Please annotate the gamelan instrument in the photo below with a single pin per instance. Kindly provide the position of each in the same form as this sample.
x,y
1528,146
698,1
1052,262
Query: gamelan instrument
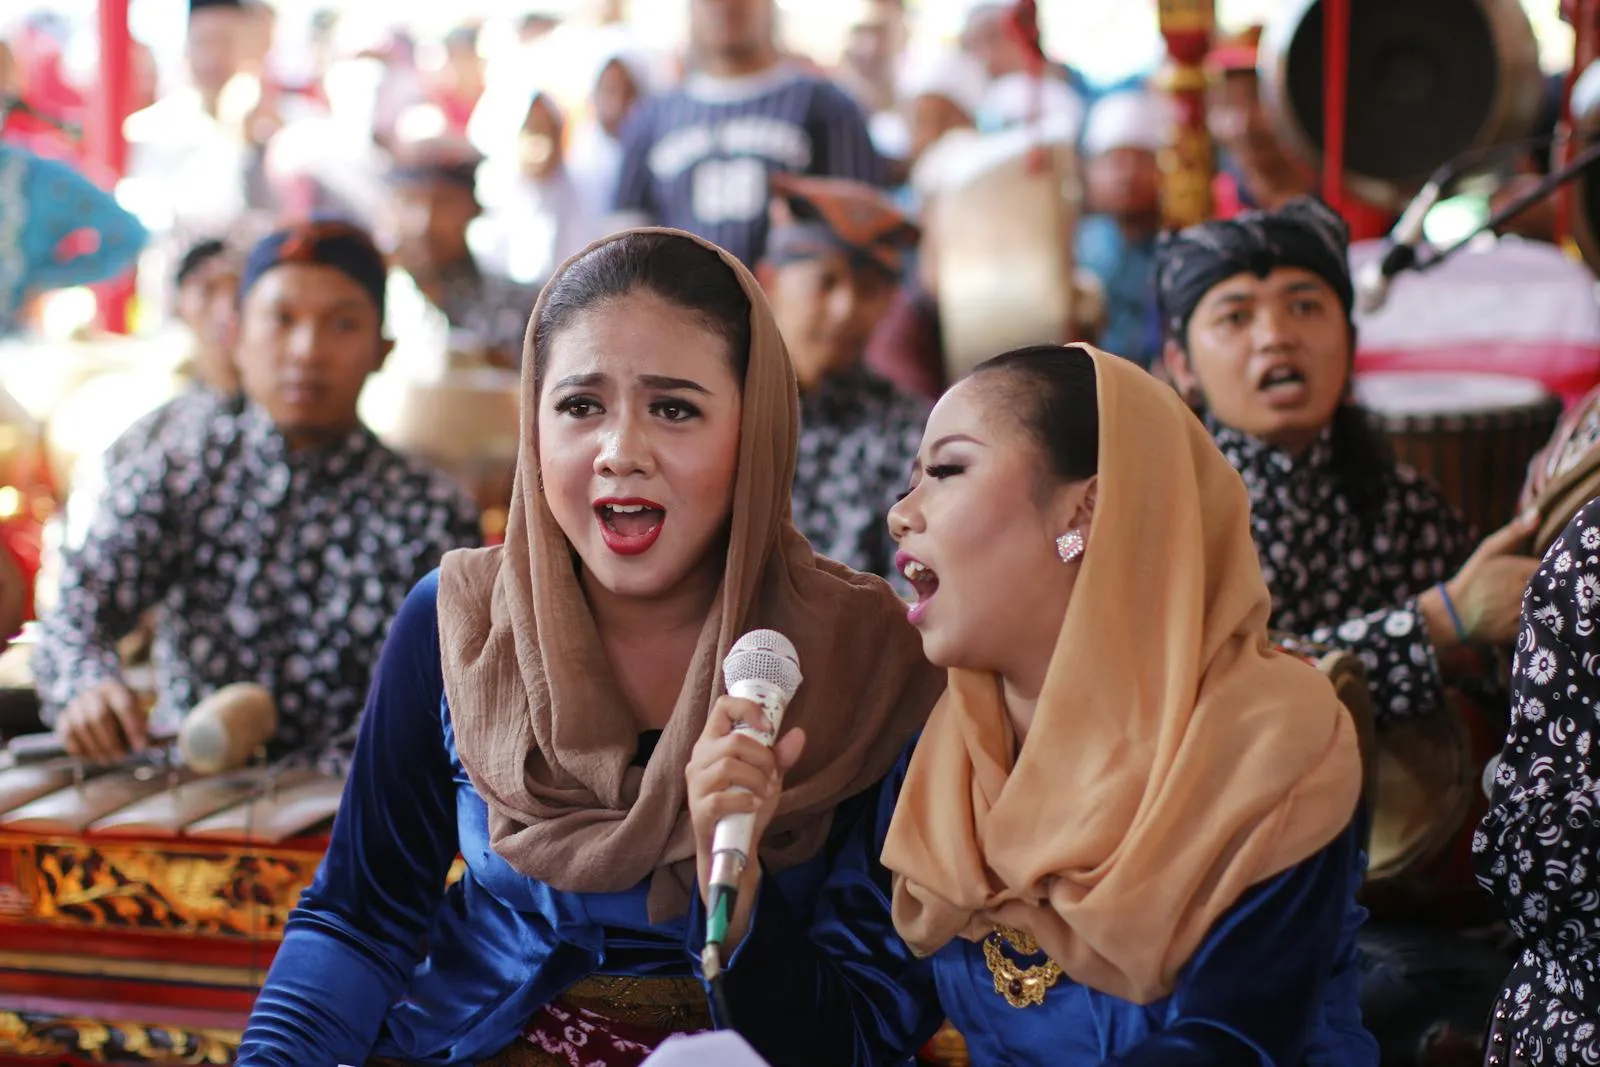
x,y
1472,435
1565,475
1431,793
141,905
1427,81
1002,228
465,422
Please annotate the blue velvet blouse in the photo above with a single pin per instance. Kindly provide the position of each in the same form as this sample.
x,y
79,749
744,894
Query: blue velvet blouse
x,y
379,959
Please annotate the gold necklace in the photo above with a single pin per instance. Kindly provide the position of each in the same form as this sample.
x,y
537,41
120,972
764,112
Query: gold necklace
x,y
1021,986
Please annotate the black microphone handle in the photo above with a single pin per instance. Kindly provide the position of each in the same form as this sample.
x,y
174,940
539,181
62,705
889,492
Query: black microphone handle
x,y
1548,185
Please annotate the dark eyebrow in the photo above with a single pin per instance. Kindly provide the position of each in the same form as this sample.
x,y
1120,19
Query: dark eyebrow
x,y
577,381
659,381
1302,288
1234,298
954,438
284,306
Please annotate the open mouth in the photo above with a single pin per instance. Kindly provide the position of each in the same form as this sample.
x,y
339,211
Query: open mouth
x,y
924,582
630,526
1283,384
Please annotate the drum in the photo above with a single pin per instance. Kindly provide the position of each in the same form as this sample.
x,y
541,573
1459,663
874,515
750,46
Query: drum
x,y
141,905
1000,234
1472,435
466,423
1565,475
1430,799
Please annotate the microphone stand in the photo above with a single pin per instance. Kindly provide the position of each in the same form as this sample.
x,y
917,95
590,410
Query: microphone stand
x,y
1549,184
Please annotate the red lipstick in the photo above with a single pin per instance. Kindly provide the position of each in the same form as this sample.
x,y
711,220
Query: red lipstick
x,y
629,526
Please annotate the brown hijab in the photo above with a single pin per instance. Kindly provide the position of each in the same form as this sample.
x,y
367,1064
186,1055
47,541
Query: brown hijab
x,y
1175,758
542,728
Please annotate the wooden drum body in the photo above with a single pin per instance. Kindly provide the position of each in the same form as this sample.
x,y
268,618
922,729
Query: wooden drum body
x,y
1002,227
140,908
1472,435
1430,797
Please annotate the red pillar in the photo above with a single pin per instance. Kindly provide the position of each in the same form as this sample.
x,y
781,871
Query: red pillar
x,y
107,148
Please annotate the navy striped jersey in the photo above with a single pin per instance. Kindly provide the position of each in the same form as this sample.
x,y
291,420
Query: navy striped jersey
x,y
697,158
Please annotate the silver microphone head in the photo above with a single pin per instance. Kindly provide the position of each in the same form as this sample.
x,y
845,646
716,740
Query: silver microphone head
x,y
766,656
1372,288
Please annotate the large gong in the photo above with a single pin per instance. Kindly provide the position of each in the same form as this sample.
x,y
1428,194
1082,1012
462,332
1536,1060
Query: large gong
x,y
1428,80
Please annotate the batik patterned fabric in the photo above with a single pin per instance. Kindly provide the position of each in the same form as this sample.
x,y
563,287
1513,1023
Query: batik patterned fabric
x,y
821,216
493,309
1348,576
1304,233
1536,849
858,439
269,565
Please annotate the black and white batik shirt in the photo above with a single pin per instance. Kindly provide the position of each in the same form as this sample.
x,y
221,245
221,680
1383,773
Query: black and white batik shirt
x,y
273,566
1350,580
858,439
1538,848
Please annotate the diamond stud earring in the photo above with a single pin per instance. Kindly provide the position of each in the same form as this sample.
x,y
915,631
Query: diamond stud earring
x,y
1069,546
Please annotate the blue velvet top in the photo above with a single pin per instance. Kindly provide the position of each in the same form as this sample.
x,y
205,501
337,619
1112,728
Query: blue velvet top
x,y
1274,984
379,959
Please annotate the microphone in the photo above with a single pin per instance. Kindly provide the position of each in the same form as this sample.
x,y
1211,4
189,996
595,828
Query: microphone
x,y
225,729
1372,286
763,668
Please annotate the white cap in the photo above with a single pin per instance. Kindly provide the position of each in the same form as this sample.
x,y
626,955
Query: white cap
x,y
1132,118
1019,99
953,75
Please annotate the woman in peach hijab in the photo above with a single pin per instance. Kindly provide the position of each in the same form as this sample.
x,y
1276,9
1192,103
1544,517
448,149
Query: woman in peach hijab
x,y
1126,834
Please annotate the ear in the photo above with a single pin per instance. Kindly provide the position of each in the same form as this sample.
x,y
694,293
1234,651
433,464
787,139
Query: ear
x,y
1075,503
1180,372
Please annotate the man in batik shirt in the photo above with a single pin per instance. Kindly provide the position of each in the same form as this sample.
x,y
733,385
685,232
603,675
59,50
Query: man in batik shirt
x,y
278,540
1359,552
433,202
834,258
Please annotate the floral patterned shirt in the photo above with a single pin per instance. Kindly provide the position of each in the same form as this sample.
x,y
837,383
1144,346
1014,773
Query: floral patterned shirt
x,y
858,439
268,565
1348,580
1538,848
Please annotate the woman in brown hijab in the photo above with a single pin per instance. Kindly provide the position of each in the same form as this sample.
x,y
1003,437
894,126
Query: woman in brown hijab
x,y
536,707
1125,836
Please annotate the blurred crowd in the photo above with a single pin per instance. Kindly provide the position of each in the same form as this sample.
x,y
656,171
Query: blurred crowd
x,y
482,169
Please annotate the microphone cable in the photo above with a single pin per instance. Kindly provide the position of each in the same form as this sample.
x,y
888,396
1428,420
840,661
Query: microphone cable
x,y
719,913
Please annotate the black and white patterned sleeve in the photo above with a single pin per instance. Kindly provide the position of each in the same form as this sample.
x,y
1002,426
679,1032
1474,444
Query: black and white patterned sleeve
x,y
127,562
1425,543
1536,849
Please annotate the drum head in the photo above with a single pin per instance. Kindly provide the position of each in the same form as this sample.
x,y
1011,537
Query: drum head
x,y
1445,395
1426,784
1004,258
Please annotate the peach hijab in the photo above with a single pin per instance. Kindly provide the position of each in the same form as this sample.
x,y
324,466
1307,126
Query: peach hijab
x,y
1175,758
542,728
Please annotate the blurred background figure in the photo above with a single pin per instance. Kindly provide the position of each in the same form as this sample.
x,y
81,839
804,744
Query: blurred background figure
x,y
1117,237
536,215
697,158
1253,170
